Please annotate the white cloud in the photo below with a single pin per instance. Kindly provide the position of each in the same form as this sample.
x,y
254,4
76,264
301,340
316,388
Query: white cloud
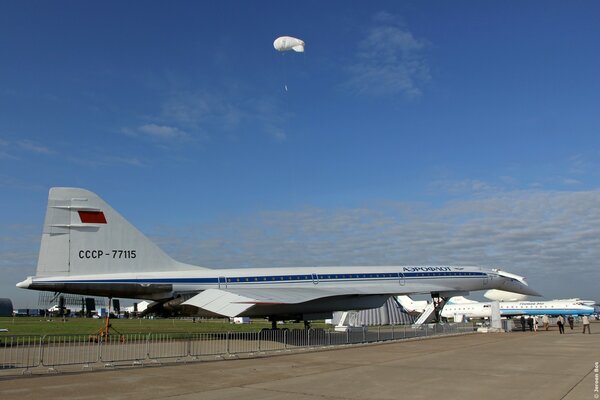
x,y
190,109
465,185
508,180
162,133
278,134
542,235
389,61
578,164
209,112
19,246
229,114
570,181
10,150
103,161
5,153
34,147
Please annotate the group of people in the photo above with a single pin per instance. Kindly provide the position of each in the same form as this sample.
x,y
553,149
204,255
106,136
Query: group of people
x,y
533,323
560,321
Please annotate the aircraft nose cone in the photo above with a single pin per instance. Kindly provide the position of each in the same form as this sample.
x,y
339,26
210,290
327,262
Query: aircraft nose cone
x,y
25,284
530,292
518,287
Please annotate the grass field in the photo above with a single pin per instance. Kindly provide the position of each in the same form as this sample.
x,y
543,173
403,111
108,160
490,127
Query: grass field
x,y
46,326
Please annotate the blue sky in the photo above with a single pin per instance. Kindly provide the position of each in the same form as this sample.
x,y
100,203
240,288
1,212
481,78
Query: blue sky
x,y
410,132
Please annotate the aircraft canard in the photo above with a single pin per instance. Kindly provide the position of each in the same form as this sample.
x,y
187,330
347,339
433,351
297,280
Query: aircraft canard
x,y
88,248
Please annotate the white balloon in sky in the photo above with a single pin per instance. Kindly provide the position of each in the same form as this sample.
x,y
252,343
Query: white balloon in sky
x,y
286,43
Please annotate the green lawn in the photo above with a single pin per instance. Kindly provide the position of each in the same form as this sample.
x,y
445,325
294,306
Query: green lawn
x,y
46,326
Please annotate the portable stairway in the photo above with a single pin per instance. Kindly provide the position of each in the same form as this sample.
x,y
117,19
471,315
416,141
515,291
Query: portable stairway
x,y
431,312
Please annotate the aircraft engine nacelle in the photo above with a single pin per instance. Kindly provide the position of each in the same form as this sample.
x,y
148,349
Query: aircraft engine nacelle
x,y
502,295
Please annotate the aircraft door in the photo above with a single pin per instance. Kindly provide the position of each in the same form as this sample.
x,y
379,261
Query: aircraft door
x,y
401,279
315,278
486,280
222,282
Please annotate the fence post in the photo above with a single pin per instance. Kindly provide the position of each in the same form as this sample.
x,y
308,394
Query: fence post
x,y
189,344
259,340
148,340
41,352
227,343
101,346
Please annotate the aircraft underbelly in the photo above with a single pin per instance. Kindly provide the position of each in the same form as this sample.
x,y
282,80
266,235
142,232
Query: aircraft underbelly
x,y
319,306
125,290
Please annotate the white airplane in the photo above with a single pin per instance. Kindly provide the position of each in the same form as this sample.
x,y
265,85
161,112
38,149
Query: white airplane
x,y
87,248
412,306
418,306
461,307
54,308
141,307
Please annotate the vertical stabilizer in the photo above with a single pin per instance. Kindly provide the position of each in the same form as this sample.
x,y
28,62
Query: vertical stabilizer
x,y
83,235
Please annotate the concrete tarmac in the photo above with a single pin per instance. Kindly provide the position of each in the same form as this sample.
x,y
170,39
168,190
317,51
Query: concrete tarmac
x,y
517,365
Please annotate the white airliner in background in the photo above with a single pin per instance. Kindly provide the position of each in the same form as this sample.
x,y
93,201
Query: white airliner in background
x,y
87,248
459,306
413,307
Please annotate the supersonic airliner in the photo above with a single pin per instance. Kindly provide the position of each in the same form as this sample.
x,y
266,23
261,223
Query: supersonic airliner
x,y
88,248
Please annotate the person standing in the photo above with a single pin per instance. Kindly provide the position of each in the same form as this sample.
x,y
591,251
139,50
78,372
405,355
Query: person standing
x,y
586,324
546,322
530,323
535,323
560,321
523,323
570,320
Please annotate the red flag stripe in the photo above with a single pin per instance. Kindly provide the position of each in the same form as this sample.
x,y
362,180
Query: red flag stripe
x,y
92,217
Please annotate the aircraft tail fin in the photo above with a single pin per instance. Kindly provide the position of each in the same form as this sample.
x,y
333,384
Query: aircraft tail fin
x,y
461,300
83,235
410,305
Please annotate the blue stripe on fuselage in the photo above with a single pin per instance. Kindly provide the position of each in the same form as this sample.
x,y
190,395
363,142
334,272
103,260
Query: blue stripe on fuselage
x,y
544,311
289,278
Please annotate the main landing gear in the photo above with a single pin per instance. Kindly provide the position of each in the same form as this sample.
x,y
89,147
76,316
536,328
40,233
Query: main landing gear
x,y
438,305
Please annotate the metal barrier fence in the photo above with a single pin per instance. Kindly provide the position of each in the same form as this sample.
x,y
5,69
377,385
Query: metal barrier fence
x,y
57,350
17,352
23,353
132,347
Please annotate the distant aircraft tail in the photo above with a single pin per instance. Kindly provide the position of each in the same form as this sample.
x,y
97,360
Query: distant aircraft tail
x,y
410,305
83,235
461,300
